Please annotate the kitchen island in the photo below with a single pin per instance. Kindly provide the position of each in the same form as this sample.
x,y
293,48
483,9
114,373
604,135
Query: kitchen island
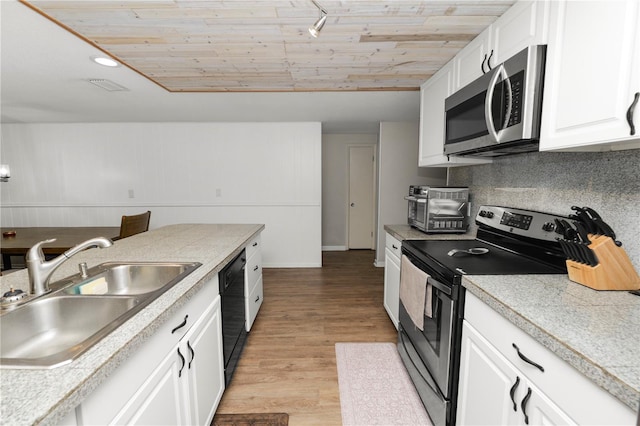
x,y
40,396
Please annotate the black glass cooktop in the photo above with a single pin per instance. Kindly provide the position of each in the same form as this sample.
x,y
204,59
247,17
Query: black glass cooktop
x,y
496,261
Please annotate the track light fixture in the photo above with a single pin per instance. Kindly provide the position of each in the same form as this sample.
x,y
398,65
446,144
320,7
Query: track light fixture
x,y
315,29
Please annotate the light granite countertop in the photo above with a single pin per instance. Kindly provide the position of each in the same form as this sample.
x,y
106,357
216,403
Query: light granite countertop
x,y
406,232
596,332
39,396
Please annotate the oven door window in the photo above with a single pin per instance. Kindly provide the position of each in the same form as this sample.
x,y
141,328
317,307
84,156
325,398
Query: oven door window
x,y
433,326
433,343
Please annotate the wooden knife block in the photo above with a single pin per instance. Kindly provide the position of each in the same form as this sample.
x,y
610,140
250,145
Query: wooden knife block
x,y
614,270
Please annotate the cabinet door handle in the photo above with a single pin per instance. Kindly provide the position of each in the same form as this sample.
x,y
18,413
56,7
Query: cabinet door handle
x,y
523,405
512,393
256,268
482,65
394,246
257,299
489,60
183,362
255,244
182,324
193,353
630,111
527,360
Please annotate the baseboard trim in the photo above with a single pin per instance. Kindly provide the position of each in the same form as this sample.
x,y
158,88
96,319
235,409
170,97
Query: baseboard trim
x,y
334,248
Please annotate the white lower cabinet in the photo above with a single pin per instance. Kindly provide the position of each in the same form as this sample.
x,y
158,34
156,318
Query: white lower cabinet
x,y
392,277
175,378
253,281
492,391
498,387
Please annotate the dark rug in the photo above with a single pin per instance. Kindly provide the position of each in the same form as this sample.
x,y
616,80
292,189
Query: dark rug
x,y
252,419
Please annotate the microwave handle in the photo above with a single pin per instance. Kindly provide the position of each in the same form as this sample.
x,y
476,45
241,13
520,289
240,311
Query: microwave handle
x,y
488,112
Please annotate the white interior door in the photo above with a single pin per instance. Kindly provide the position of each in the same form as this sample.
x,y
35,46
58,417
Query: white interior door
x,y
361,196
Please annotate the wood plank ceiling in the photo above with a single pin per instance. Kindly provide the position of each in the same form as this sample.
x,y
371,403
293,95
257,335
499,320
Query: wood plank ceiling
x,y
264,45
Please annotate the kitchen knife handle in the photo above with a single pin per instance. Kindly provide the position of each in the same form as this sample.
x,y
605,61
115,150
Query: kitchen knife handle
x,y
630,111
527,360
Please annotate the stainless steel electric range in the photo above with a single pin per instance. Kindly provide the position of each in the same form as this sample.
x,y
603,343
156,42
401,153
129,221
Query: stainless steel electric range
x,y
509,241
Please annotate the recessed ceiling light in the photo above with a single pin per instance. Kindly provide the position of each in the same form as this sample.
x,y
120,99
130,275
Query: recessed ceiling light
x,y
103,60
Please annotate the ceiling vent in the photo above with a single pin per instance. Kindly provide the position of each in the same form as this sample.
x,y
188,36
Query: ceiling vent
x,y
107,85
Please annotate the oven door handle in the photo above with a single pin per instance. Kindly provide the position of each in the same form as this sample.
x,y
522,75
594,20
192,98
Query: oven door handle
x,y
429,380
437,284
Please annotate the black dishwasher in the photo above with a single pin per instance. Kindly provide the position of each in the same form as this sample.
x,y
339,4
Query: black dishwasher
x,y
234,332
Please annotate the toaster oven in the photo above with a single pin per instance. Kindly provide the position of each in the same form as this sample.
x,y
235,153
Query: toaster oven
x,y
438,209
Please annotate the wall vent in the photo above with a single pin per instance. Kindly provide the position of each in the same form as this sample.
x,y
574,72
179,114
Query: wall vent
x,y
107,85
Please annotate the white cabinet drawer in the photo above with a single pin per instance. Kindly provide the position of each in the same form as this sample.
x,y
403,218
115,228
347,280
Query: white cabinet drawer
x,y
254,301
394,245
253,270
254,246
579,397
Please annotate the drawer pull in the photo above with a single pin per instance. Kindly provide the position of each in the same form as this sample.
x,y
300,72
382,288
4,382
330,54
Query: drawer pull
x,y
527,360
183,362
525,400
255,244
394,246
512,392
182,324
632,107
193,353
256,268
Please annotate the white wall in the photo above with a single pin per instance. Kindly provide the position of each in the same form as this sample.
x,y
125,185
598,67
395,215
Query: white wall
x,y
335,186
398,168
85,174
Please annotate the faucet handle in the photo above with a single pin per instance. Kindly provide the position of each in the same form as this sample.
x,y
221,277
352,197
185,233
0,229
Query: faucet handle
x,y
35,252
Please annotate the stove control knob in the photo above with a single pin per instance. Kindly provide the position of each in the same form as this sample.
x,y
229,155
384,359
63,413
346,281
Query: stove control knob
x,y
548,226
489,214
482,213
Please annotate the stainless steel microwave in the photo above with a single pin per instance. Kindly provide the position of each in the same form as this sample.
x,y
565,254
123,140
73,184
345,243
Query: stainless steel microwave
x,y
438,209
499,113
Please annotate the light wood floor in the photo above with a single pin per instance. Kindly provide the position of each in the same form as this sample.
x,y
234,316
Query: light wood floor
x,y
289,363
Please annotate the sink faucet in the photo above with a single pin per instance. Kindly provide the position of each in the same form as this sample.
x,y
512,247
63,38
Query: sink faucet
x,y
40,270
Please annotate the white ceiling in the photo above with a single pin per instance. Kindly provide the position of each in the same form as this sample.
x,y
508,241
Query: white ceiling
x,y
44,79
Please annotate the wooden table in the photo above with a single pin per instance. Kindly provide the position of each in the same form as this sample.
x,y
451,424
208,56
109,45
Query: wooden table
x,y
66,237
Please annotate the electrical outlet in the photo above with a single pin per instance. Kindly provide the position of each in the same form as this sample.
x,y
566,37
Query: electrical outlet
x,y
131,195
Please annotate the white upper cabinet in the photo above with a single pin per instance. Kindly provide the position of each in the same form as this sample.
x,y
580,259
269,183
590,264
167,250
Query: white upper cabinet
x,y
471,62
592,77
523,25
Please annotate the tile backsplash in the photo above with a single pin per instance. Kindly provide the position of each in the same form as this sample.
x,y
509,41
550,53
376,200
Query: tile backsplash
x,y
608,182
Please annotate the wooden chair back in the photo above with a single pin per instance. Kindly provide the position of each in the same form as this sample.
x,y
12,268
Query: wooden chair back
x,y
136,224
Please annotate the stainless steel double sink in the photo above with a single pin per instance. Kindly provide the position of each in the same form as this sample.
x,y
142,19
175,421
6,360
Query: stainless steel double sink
x,y
54,329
